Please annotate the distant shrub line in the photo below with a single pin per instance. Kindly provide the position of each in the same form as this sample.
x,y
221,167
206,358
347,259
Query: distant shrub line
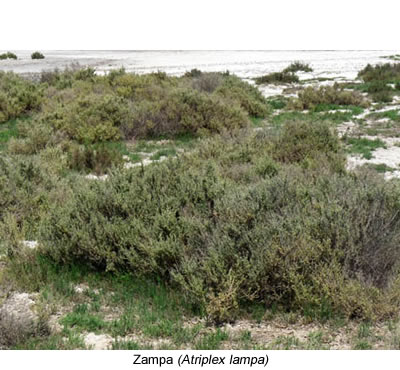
x,y
78,106
90,108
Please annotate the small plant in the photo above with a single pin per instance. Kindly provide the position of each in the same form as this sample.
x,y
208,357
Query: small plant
x,y
193,73
97,158
382,97
207,82
277,78
37,55
298,66
212,341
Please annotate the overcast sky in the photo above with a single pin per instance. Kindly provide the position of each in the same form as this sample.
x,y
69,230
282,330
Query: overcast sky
x,y
206,24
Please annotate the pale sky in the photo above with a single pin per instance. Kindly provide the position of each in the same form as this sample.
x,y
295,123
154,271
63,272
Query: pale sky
x,y
206,24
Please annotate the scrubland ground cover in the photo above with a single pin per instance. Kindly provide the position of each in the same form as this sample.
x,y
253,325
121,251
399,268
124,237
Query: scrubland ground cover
x,y
253,222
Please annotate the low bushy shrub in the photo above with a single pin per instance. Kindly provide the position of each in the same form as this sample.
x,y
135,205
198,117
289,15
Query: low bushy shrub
x,y
91,108
86,118
8,55
37,55
26,187
380,91
207,82
152,86
379,78
17,96
299,141
33,137
66,78
273,244
277,78
97,159
193,73
388,72
298,66
294,236
311,97
183,111
377,86
247,96
382,97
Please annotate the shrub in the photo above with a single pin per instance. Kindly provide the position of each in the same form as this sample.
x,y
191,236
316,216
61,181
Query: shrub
x,y
193,73
377,86
381,72
271,245
298,66
300,140
378,77
382,96
183,111
17,96
380,91
14,331
245,95
27,187
37,55
92,108
33,137
207,82
311,97
277,77
295,236
93,158
66,78
8,55
89,118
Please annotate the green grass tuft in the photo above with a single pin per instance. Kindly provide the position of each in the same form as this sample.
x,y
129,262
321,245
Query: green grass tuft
x,y
364,146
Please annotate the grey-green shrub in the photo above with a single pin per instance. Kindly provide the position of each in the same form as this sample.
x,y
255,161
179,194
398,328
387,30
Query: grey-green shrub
x,y
310,97
92,108
298,66
87,118
183,111
277,77
8,55
281,233
93,158
17,96
37,55
207,82
27,187
247,96
388,72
